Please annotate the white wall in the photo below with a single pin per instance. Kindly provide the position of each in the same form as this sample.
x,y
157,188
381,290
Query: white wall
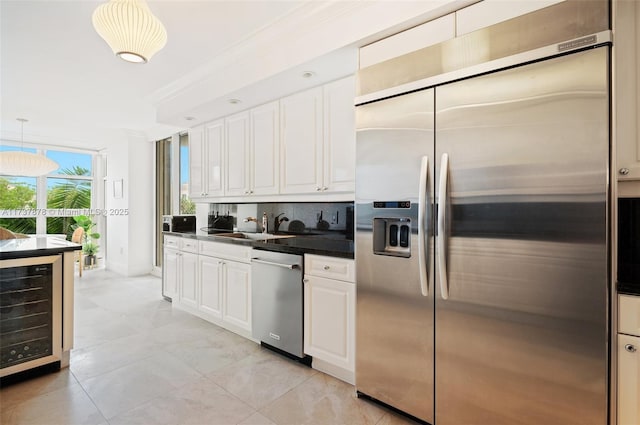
x,y
130,218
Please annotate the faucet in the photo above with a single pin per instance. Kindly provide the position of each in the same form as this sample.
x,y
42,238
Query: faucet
x,y
255,220
277,221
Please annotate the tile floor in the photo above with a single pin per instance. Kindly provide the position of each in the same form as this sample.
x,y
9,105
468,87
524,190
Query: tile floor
x,y
137,361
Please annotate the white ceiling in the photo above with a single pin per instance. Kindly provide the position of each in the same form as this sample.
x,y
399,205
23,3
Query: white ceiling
x,y
60,75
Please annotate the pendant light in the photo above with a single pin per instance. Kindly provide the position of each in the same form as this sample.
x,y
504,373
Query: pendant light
x,y
20,163
130,29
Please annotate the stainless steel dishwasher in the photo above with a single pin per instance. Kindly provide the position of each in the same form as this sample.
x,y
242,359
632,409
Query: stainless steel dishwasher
x,y
277,301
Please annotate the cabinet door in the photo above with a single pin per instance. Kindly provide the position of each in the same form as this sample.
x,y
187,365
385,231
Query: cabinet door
x,y
264,147
301,142
214,140
329,320
196,160
339,136
237,294
628,380
491,12
188,279
237,148
627,89
170,273
210,270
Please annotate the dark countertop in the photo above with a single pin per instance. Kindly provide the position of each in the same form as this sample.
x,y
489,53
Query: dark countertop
x,y
35,246
329,245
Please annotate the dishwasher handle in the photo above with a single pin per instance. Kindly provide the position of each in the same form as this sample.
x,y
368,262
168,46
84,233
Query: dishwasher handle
x,y
271,263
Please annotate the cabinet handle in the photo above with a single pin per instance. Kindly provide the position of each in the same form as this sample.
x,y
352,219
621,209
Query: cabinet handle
x,y
318,189
624,171
325,188
630,348
305,280
326,267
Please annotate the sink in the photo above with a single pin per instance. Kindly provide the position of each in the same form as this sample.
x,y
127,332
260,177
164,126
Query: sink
x,y
253,236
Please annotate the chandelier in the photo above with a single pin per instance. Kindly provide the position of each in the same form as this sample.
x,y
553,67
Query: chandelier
x,y
20,163
130,29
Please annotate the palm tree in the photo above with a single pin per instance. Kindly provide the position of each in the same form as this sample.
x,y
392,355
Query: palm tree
x,y
69,194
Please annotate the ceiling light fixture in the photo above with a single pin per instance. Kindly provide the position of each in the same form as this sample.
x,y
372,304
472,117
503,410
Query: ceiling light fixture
x,y
308,74
234,101
20,163
130,29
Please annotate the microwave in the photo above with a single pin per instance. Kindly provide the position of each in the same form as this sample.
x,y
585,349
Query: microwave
x,y
179,223
629,246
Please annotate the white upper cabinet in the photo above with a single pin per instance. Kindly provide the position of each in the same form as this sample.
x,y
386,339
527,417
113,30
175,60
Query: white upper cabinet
x,y
196,162
339,136
301,142
206,143
318,139
214,139
264,156
626,25
237,149
490,12
416,38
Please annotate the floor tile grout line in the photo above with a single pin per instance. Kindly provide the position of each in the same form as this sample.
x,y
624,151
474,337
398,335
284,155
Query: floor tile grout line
x,y
89,397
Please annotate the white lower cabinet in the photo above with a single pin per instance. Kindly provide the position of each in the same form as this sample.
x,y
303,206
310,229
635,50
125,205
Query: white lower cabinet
x,y
628,360
213,281
188,282
237,294
211,277
170,273
329,315
628,380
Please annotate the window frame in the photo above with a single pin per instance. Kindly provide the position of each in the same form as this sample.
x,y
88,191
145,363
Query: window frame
x,y
41,211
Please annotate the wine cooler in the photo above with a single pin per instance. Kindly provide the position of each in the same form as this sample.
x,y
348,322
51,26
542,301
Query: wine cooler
x,y
30,313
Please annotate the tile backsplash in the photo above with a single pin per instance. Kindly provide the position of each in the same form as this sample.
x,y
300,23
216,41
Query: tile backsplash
x,y
333,216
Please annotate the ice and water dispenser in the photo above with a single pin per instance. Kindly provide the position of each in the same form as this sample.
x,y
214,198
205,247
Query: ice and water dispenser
x,y
392,235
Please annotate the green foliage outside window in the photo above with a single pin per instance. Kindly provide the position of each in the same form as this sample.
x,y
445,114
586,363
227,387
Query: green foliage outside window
x,y
63,194
17,195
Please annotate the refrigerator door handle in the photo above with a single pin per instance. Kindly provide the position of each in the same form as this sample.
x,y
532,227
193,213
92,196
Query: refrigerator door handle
x,y
442,234
422,229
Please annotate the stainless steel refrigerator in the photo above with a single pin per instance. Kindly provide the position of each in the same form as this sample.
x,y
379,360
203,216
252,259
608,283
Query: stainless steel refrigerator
x,y
482,246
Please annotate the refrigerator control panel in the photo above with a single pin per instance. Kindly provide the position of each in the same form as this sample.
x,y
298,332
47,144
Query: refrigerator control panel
x,y
391,204
392,236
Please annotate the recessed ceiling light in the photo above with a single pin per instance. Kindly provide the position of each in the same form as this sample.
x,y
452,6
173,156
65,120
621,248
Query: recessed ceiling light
x,y
189,118
234,101
308,74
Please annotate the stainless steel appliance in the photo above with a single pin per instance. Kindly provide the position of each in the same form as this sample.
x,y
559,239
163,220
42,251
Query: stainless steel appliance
x,y
481,239
30,313
277,301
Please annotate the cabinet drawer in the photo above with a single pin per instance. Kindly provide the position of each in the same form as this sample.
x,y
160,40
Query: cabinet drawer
x,y
226,251
330,267
189,245
172,242
629,314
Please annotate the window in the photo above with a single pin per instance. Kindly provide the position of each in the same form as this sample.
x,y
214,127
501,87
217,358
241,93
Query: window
x,y
186,205
163,191
68,193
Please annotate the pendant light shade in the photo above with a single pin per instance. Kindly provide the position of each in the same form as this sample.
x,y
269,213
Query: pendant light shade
x,y
19,163
130,29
